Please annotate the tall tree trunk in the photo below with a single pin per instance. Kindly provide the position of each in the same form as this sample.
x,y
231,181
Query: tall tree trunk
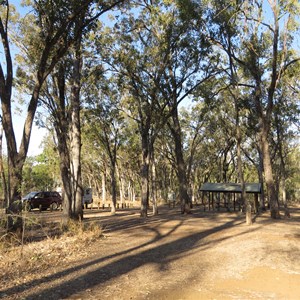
x,y
153,186
284,200
145,174
17,159
273,199
244,198
103,180
132,193
62,133
264,129
14,220
67,186
180,164
3,177
267,117
113,189
129,190
282,167
77,211
121,184
261,178
193,188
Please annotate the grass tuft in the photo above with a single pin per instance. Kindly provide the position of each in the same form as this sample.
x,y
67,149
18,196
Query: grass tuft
x,y
44,246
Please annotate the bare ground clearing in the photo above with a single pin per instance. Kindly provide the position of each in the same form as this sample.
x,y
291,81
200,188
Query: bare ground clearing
x,y
205,255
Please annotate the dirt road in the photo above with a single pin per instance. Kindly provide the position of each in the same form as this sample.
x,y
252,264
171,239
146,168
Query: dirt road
x,y
206,255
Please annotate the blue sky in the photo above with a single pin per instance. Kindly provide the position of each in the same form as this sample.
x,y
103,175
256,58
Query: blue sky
x,y
19,118
37,133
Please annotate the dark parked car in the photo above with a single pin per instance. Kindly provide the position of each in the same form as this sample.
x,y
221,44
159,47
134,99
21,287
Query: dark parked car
x,y
42,200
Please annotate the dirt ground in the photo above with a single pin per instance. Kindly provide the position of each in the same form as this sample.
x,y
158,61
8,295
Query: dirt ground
x,y
205,255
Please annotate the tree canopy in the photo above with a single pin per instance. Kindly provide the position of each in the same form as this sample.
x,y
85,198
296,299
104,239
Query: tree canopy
x,y
147,98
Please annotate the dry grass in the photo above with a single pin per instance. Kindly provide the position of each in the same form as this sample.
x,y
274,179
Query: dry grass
x,y
205,255
21,254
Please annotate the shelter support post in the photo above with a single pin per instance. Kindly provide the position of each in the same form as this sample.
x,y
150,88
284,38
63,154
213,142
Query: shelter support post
x,y
234,202
256,203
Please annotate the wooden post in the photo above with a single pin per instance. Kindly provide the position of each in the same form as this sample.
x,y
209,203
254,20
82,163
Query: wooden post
x,y
234,201
256,203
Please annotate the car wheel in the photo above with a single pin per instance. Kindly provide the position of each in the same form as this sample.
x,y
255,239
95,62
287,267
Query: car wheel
x,y
53,206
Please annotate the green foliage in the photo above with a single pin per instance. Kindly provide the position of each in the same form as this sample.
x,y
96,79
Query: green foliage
x,y
143,62
42,171
37,177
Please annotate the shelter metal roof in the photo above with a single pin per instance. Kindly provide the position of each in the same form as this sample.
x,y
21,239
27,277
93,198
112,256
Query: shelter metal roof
x,y
254,188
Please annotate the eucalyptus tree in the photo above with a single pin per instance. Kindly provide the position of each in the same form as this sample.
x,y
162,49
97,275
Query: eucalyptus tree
x,y
282,136
286,116
161,63
93,165
136,43
48,33
166,165
129,158
104,122
269,56
259,45
222,93
178,60
230,118
61,96
286,138
293,184
188,62
216,153
3,167
193,122
47,39
110,146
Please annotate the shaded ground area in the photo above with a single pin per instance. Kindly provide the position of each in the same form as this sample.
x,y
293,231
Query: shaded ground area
x,y
206,255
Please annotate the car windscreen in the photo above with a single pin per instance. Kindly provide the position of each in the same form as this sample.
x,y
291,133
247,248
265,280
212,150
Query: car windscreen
x,y
30,195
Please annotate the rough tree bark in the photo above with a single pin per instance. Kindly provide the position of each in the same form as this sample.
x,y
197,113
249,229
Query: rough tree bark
x,y
180,163
113,189
268,171
77,212
153,185
145,173
103,184
260,170
2,173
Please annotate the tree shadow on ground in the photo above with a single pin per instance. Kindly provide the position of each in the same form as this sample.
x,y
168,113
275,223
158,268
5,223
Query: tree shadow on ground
x,y
294,219
124,220
101,270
